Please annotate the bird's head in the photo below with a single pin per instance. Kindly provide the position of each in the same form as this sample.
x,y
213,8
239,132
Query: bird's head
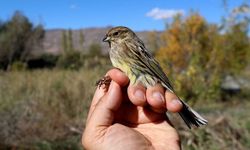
x,y
118,34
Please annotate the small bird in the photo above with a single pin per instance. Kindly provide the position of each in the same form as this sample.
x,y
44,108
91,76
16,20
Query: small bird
x,y
129,54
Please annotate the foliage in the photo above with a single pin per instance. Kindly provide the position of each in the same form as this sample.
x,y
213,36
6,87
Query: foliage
x,y
67,41
18,66
18,37
236,40
64,41
70,40
46,60
197,56
81,39
70,60
95,50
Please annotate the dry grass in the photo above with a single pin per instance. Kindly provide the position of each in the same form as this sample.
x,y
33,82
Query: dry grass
x,y
45,109
228,128
44,105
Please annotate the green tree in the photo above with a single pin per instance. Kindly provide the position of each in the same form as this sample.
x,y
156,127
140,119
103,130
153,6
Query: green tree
x,y
67,41
18,38
64,41
70,41
70,60
236,40
81,39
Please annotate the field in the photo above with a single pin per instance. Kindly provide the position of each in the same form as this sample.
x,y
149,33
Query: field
x,y
46,109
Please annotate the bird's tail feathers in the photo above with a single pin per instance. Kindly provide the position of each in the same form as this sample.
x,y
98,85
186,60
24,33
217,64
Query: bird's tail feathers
x,y
191,117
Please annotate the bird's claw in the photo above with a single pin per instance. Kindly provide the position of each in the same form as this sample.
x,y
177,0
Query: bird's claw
x,y
104,81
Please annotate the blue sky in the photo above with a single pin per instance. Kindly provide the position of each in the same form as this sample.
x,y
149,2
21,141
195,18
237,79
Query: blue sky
x,y
136,14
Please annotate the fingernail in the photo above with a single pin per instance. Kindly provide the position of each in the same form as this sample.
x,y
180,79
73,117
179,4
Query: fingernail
x,y
158,96
140,94
176,102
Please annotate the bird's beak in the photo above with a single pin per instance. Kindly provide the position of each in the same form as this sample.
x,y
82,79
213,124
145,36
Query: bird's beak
x,y
106,39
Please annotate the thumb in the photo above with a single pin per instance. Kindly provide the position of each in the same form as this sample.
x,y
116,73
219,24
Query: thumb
x,y
103,114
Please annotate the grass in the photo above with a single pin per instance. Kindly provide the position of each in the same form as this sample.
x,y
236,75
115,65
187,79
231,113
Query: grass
x,y
46,109
227,128
44,106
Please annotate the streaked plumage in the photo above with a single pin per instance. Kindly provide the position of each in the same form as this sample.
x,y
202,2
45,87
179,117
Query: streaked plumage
x,y
129,54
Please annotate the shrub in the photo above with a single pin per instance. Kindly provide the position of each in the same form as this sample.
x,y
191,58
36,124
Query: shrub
x,y
44,61
70,60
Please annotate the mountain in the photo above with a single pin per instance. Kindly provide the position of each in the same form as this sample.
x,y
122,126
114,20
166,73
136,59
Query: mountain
x,y
53,39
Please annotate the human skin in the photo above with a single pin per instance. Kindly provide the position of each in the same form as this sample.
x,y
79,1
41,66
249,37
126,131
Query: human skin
x,y
130,117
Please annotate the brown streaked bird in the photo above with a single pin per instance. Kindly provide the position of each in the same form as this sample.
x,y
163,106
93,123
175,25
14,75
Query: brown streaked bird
x,y
129,54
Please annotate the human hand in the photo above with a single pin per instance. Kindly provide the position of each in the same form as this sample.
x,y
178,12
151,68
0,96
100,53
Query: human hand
x,y
130,118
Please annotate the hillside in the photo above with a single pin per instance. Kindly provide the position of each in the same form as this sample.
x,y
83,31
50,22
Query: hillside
x,y
53,39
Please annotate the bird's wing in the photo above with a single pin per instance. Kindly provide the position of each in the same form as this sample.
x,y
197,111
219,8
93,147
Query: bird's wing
x,y
152,65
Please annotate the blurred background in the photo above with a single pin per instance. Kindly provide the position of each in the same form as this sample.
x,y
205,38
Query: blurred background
x,y
51,55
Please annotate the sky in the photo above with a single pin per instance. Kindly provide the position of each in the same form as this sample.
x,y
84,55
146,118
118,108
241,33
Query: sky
x,y
137,14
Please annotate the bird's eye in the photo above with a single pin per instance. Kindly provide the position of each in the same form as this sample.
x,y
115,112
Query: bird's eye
x,y
115,34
